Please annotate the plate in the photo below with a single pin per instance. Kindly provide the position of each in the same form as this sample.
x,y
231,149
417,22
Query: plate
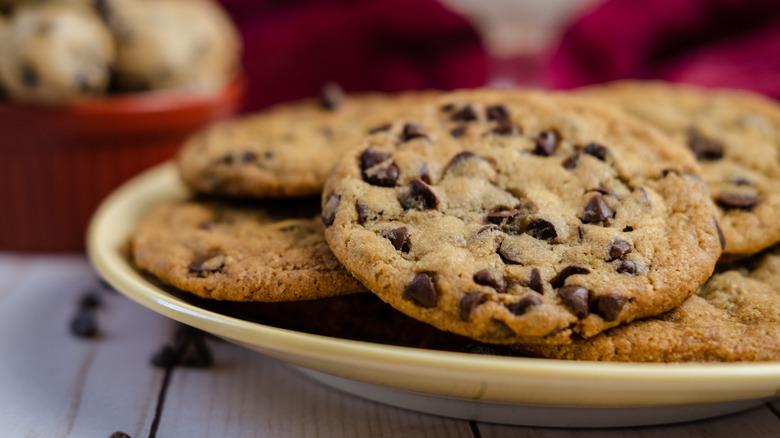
x,y
509,390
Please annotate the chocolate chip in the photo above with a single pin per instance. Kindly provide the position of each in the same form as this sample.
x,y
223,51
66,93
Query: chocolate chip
x,y
467,114
371,157
486,278
721,236
597,210
571,161
166,357
329,209
119,434
703,147
469,302
419,197
546,143
412,131
381,128
522,306
458,131
541,229
497,113
462,156
425,174
618,249
382,176
499,217
743,201
84,324
488,228
535,281
741,181
332,96
362,212
90,301
448,107
250,157
29,75
505,129
399,237
626,267
596,150
567,272
628,229
576,297
207,263
421,291
509,255
609,306
605,192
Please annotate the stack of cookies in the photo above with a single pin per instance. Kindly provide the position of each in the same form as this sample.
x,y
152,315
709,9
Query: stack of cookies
x,y
628,222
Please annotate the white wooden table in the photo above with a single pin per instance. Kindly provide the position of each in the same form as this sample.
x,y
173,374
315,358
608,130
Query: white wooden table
x,y
53,384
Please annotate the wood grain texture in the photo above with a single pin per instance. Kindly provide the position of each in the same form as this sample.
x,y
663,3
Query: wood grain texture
x,y
57,385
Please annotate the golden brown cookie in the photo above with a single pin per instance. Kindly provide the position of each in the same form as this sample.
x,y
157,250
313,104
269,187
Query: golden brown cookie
x,y
736,138
274,251
522,217
289,149
735,316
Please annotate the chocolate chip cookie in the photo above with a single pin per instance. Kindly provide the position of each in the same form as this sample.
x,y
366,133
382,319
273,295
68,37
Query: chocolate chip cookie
x,y
287,150
736,137
269,252
735,316
522,218
53,53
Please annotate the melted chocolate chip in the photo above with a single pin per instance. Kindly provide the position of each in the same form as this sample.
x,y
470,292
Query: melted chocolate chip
x,y
412,131
597,210
721,236
469,302
207,263
399,237
609,306
576,298
703,147
29,75
535,281
381,128
489,228
467,114
332,96
329,209
486,278
421,291
84,324
541,229
618,249
499,217
567,272
458,131
505,129
596,150
497,113
571,161
626,267
522,306
742,201
546,143
419,197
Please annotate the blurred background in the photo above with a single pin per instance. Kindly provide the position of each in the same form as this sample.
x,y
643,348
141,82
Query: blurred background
x,y
94,91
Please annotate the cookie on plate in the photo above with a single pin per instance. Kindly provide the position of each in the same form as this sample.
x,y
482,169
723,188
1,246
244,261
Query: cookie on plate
x,y
523,217
264,252
54,52
735,316
736,138
287,150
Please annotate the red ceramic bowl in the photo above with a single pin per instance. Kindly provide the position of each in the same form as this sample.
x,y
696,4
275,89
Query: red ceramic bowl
x,y
57,164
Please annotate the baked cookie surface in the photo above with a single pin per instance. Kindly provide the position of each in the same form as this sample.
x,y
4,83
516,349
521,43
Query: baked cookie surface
x,y
735,316
522,217
270,252
289,149
736,138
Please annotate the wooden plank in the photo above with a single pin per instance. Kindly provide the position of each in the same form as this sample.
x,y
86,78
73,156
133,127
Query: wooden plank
x,y
760,422
57,385
249,395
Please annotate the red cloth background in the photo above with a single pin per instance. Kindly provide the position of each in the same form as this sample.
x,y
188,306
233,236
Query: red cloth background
x,y
293,47
723,43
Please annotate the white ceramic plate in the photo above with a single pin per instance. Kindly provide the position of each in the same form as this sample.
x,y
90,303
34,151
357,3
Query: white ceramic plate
x,y
535,392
